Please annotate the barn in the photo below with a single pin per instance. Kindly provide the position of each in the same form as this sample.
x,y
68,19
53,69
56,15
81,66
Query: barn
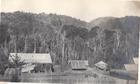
x,y
35,62
78,64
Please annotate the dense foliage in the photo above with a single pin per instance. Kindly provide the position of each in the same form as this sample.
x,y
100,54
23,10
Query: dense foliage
x,y
113,40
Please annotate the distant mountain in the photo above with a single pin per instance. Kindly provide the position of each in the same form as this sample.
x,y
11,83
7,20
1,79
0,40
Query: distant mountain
x,y
106,23
113,40
127,36
127,23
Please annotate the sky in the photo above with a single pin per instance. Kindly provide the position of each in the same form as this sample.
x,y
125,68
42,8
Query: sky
x,y
86,10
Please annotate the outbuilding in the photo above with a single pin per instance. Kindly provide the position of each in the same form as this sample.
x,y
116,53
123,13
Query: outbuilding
x,y
79,64
35,62
132,69
102,66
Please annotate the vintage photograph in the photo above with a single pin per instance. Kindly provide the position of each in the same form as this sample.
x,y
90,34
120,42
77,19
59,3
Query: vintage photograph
x,y
69,41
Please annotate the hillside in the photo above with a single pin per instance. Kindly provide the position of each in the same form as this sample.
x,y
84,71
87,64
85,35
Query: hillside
x,y
113,40
128,25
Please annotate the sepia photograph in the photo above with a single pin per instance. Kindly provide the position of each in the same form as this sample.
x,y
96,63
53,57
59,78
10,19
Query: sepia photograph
x,y
69,41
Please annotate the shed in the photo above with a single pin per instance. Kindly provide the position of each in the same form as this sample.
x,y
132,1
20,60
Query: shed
x,y
78,64
131,67
102,66
132,70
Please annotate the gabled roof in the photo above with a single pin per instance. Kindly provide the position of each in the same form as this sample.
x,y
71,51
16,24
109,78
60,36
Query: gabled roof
x,y
79,64
136,59
131,67
32,57
101,65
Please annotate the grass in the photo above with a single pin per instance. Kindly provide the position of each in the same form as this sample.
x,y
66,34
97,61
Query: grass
x,y
72,77
67,79
75,77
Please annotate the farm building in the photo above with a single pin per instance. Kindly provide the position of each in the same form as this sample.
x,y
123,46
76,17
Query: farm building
x,y
132,69
79,64
129,75
102,66
35,62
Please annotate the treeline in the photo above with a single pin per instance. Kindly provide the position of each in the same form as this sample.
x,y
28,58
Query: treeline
x,y
67,38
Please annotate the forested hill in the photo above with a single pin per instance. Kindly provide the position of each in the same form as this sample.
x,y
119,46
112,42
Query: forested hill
x,y
113,40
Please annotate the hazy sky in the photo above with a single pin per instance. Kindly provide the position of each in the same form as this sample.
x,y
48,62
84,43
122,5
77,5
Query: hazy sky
x,y
82,9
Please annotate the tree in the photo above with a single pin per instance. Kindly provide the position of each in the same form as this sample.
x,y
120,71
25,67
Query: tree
x,y
4,35
16,62
3,60
16,66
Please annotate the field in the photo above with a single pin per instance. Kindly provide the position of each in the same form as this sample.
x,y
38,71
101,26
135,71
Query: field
x,y
72,77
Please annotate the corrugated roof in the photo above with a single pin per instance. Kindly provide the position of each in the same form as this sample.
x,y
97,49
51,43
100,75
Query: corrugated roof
x,y
102,65
79,64
136,60
33,57
131,67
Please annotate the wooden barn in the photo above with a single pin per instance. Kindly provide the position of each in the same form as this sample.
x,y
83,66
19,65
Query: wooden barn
x,y
35,62
78,64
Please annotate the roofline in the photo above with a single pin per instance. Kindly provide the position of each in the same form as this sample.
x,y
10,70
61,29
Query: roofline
x,y
99,62
131,64
78,60
31,53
